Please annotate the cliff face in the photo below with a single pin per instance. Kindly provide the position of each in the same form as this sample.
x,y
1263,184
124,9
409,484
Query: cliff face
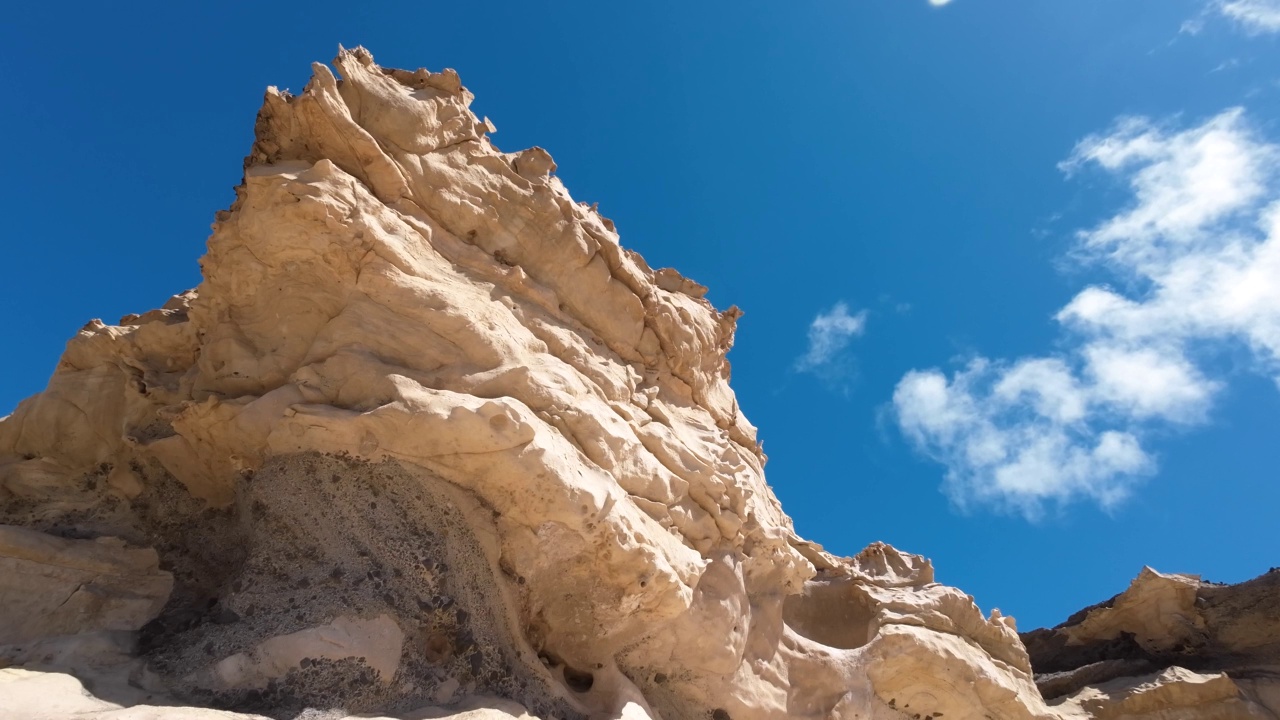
x,y
1169,644
427,435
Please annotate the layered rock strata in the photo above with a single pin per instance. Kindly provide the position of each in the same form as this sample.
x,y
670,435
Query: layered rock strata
x,y
428,436
1170,646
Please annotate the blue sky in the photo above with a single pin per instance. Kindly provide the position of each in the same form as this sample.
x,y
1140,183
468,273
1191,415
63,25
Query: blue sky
x,y
1012,294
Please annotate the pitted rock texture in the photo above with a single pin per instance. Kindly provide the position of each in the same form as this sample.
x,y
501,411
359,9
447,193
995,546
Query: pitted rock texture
x,y
428,436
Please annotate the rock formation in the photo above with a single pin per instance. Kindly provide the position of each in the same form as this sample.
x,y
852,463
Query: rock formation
x,y
426,436
1171,646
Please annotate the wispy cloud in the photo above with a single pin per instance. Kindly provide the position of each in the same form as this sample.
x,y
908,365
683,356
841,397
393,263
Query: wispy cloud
x,y
1201,240
829,336
1256,16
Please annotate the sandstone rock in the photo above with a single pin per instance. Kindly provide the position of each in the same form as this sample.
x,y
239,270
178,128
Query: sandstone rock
x,y
52,586
1174,694
27,695
377,642
1170,646
1158,610
426,433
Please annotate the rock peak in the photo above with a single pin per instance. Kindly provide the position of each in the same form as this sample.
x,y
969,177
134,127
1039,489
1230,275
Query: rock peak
x,y
427,434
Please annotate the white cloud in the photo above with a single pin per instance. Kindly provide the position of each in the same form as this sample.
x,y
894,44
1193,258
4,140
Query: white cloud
x,y
1182,183
939,3
1010,448
1147,382
1048,385
1201,242
1256,16
829,336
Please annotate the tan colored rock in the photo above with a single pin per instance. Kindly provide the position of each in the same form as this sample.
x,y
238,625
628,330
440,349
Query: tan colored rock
x,y
52,586
1159,610
1174,694
27,695
378,642
427,433
1170,646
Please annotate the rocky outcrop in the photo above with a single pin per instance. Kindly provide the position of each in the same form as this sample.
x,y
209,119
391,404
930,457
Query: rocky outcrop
x,y
428,436
1170,646
52,587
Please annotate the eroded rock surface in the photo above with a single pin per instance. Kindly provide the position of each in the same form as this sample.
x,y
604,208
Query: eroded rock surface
x,y
52,587
1170,646
428,436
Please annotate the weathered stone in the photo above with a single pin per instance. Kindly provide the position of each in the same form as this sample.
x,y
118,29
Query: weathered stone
x,y
1170,646
52,586
427,433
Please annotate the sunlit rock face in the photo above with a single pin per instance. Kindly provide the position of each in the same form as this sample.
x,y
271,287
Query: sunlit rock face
x,y
427,435
1170,646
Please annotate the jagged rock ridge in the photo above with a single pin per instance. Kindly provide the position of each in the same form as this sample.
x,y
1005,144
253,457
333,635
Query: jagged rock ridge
x,y
427,435
1170,643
